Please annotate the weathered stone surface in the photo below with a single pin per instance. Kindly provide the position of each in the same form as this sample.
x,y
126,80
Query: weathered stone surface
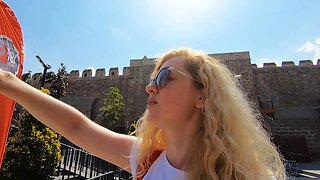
x,y
100,72
288,64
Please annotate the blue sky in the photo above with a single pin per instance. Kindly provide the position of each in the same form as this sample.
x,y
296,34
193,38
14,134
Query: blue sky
x,y
104,34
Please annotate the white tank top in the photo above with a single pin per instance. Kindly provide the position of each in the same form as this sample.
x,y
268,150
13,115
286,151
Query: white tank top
x,y
161,169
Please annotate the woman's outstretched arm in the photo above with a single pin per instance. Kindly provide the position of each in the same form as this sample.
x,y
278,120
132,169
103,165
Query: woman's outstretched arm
x,y
69,122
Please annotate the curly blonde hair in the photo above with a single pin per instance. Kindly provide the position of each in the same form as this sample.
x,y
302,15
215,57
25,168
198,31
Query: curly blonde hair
x,y
232,144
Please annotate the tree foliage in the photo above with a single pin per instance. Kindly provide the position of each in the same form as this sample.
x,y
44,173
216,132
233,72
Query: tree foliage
x,y
112,108
31,153
58,82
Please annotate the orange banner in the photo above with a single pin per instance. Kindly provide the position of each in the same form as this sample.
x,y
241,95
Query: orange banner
x,y
11,59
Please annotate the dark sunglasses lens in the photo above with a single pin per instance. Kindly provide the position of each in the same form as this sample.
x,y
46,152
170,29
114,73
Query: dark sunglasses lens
x,y
162,78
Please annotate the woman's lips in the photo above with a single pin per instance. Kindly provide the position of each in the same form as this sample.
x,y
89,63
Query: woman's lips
x,y
152,101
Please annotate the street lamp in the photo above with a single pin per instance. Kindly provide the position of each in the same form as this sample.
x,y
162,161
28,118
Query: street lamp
x,y
45,68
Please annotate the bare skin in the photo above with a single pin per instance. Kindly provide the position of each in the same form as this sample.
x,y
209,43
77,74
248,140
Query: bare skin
x,y
177,112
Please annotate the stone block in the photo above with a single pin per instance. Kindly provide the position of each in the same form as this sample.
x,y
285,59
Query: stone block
x,y
114,71
100,72
74,74
126,71
305,63
288,64
87,73
272,64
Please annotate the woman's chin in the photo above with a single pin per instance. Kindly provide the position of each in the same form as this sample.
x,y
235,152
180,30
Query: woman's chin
x,y
153,120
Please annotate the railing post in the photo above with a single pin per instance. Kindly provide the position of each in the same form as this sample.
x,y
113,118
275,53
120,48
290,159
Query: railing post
x,y
65,161
91,167
82,162
70,164
76,162
87,164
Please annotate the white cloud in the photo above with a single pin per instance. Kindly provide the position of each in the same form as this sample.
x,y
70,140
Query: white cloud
x,y
318,40
313,48
307,47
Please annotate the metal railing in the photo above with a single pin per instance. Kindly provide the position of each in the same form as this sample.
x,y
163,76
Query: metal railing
x,y
78,164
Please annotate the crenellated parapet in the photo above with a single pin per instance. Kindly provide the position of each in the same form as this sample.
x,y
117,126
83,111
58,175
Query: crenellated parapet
x,y
101,72
288,64
284,64
126,71
74,74
305,63
114,71
87,73
236,61
267,65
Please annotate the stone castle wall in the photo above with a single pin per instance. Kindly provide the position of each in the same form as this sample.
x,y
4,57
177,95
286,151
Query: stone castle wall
x,y
295,93
293,89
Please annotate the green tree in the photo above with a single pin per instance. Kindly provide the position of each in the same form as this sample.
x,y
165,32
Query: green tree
x,y
112,109
58,82
31,153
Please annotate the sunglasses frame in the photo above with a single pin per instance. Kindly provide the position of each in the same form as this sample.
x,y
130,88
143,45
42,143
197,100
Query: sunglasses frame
x,y
168,68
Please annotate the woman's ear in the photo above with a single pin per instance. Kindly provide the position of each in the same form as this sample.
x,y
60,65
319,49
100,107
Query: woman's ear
x,y
200,101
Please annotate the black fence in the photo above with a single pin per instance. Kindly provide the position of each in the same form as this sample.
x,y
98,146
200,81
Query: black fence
x,y
294,148
78,164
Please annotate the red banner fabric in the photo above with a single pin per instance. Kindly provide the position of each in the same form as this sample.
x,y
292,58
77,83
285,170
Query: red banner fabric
x,y
11,59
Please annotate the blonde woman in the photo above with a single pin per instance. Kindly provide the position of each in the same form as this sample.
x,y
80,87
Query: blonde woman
x,y
198,125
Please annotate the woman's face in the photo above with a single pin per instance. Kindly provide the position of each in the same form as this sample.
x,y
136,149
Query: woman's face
x,y
175,104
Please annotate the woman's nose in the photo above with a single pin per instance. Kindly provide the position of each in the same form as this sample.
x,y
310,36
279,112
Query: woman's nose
x,y
151,88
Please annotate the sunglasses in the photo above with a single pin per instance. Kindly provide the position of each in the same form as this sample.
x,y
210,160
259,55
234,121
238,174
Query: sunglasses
x,y
163,76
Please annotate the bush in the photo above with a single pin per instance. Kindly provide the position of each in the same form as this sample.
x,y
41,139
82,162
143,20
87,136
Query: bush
x,y
33,152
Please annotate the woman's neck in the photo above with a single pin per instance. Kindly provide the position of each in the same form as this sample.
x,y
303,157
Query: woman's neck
x,y
181,140
178,149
